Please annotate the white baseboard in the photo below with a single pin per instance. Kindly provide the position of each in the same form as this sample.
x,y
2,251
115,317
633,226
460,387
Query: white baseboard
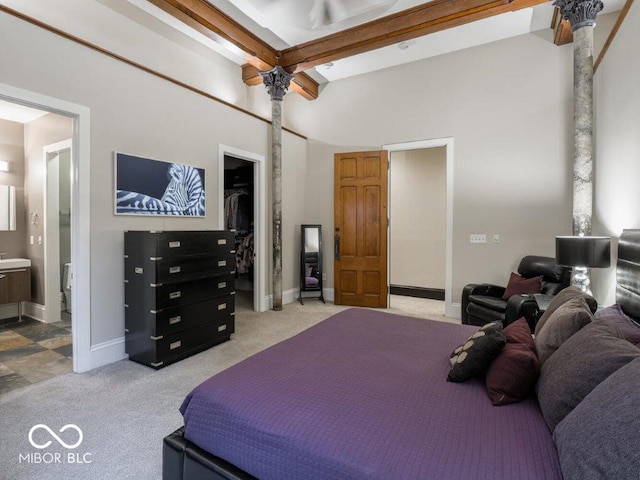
x,y
453,310
107,352
8,310
34,310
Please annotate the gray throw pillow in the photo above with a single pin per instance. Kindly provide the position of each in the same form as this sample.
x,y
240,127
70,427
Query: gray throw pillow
x,y
599,439
560,299
563,322
578,366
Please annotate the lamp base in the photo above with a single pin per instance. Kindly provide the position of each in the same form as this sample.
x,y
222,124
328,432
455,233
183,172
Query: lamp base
x,y
580,279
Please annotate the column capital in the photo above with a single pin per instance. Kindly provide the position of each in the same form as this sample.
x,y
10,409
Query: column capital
x,y
277,82
580,13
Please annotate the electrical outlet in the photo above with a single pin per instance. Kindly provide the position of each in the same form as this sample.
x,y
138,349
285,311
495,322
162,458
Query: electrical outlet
x,y
478,238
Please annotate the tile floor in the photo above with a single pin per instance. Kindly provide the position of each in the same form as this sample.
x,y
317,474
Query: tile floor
x,y
32,351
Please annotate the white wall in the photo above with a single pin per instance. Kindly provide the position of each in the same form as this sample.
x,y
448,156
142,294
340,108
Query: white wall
x,y
134,112
617,144
418,211
508,107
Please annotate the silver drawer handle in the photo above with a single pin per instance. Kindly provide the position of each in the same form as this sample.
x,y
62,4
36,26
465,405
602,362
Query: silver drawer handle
x,y
222,306
174,269
175,244
3,275
222,328
222,263
222,285
222,241
175,345
174,320
174,295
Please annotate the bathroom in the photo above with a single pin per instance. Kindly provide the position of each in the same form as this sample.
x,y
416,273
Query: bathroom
x,y
35,225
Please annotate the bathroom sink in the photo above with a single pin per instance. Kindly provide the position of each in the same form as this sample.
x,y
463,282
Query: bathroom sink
x,y
14,263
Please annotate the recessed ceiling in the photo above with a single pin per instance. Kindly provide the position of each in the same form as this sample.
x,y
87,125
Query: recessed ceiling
x,y
19,113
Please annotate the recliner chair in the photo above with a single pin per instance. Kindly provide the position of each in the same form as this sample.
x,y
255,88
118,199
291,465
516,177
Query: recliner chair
x,y
483,303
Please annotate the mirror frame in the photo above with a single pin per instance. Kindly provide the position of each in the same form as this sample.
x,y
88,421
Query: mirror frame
x,y
303,262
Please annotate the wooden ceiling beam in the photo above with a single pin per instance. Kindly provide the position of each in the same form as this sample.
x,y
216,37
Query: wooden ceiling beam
x,y
216,25
562,34
406,25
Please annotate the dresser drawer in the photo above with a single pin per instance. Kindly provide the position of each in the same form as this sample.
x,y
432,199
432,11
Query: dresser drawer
x,y
176,294
173,244
191,267
167,349
175,319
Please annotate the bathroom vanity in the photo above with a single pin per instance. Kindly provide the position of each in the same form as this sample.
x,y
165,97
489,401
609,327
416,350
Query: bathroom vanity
x,y
15,282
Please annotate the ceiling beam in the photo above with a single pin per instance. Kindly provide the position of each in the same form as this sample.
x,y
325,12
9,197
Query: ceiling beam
x,y
418,21
562,34
408,24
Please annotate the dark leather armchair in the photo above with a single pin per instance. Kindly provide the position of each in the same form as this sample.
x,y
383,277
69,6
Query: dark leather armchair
x,y
483,303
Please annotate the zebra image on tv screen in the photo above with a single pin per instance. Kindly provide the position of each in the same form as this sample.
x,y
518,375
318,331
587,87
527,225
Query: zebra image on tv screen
x,y
152,187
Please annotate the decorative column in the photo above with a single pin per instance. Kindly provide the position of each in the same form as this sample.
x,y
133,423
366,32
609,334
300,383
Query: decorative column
x,y
277,82
581,14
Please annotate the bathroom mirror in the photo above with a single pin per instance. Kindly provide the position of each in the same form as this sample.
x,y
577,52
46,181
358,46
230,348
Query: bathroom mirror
x,y
311,260
7,207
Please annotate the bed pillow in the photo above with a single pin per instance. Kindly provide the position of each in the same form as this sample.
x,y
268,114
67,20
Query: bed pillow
x,y
562,324
473,357
578,366
614,315
598,439
560,299
518,285
512,376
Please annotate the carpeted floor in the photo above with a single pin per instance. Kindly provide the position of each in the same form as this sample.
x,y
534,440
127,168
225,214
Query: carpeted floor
x,y
125,409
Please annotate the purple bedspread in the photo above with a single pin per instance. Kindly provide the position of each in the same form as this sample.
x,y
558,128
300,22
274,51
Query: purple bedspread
x,y
363,395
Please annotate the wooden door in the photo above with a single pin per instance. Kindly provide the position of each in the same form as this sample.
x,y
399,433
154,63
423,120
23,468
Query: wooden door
x,y
360,221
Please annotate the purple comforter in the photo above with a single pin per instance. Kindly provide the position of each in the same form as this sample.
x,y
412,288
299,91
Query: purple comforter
x,y
363,395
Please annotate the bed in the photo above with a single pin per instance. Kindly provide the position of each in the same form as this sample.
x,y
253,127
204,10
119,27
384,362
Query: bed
x,y
363,395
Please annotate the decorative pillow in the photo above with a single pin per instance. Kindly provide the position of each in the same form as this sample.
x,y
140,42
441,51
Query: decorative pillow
x,y
308,269
596,440
560,299
512,376
614,315
518,285
472,358
564,322
578,366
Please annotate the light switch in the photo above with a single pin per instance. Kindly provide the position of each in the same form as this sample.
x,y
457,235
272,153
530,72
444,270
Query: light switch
x,y
496,238
31,239
478,238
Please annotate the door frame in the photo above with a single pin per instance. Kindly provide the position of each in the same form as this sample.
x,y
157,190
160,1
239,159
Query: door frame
x,y
80,215
260,302
447,142
52,231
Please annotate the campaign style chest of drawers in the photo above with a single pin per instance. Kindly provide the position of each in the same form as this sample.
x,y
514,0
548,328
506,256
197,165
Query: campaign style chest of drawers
x,y
179,293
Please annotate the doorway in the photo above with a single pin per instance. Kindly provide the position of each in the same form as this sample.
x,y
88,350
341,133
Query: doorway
x,y
409,149
80,215
242,175
58,266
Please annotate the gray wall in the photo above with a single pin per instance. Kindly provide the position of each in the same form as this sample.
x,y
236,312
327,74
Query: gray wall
x,y
39,133
12,151
417,207
508,107
134,112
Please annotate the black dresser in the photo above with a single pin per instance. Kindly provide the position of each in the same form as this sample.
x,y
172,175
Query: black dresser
x,y
179,293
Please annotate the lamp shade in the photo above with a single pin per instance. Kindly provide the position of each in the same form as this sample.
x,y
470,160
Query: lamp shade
x,y
574,251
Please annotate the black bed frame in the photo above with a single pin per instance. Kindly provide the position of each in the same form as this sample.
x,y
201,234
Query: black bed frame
x,y
183,460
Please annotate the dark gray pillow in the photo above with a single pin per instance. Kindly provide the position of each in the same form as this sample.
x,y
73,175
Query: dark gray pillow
x,y
578,366
560,299
473,357
599,439
563,322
